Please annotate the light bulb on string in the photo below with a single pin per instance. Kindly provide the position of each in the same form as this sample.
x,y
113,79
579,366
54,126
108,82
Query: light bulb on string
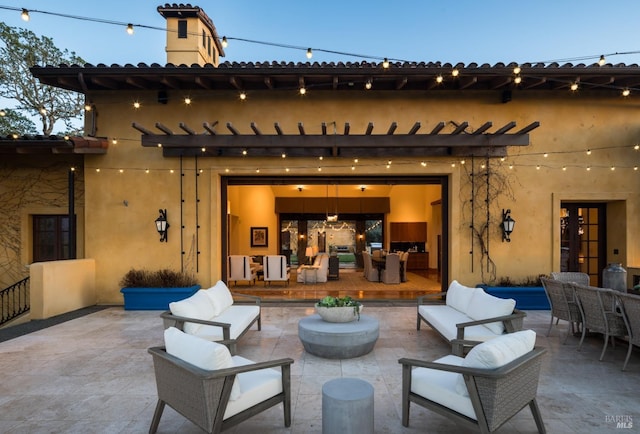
x,y
455,72
385,63
309,53
224,42
602,61
517,69
130,29
626,92
25,15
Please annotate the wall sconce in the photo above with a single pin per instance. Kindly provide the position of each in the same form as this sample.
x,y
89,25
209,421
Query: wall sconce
x,y
507,225
162,225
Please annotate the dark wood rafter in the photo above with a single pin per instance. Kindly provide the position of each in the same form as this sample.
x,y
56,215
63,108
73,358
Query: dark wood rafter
x,y
458,142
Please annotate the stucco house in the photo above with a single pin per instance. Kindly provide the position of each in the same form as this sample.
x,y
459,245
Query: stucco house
x,y
231,149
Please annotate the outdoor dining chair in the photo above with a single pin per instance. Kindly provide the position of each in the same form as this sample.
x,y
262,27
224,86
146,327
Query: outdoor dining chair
x,y
563,304
631,313
600,314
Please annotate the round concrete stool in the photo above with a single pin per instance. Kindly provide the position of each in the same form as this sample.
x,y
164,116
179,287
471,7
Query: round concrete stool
x,y
338,340
347,406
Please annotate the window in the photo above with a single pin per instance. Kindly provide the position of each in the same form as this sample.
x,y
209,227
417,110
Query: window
x,y
182,29
50,237
209,45
204,39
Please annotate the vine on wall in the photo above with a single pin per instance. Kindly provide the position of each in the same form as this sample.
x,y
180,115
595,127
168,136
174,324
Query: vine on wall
x,y
28,186
485,182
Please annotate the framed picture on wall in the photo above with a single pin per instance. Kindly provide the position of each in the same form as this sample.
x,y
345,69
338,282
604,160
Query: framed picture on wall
x,y
259,237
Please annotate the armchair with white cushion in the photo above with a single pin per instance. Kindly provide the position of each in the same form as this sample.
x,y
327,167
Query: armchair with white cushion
x,y
321,266
483,390
275,269
205,384
241,268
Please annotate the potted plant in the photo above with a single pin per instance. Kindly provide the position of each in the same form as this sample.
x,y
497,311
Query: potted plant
x,y
154,290
339,309
528,293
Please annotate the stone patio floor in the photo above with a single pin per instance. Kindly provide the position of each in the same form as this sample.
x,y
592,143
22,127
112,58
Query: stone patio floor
x,y
93,375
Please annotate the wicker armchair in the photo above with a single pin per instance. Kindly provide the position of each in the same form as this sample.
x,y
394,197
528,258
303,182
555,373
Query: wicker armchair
x,y
599,314
203,396
496,395
563,304
631,313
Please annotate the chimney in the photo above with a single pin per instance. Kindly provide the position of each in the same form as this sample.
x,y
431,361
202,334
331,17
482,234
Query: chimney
x,y
191,36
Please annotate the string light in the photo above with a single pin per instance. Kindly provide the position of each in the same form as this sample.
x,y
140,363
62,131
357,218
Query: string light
x,y
243,96
187,100
25,15
517,70
517,79
385,63
455,72
309,53
588,151
224,42
130,29
303,90
626,92
439,79
2,113
602,61
136,105
574,86
368,84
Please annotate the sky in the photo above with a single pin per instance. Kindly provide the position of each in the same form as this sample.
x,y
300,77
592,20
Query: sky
x,y
466,31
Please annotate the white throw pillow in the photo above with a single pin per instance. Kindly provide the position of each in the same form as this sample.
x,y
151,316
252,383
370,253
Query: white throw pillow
x,y
483,306
197,306
459,296
220,297
199,352
497,352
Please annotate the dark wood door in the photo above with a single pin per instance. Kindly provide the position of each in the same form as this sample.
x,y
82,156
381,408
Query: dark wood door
x,y
583,239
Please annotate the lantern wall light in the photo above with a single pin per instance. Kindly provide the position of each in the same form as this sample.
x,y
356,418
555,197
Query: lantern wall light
x,y
162,225
507,225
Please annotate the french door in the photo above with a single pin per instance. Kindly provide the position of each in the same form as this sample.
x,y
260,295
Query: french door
x,y
583,239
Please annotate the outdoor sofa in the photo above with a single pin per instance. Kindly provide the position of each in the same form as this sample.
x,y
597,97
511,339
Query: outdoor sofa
x,y
213,315
468,316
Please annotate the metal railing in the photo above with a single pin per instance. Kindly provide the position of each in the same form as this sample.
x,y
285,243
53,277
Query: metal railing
x,y
14,301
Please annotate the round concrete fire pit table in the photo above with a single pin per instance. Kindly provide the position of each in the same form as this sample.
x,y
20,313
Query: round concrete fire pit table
x,y
338,340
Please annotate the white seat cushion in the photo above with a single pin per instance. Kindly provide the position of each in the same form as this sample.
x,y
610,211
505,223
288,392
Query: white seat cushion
x,y
444,319
255,387
498,352
239,316
220,297
483,306
201,353
440,386
459,296
197,306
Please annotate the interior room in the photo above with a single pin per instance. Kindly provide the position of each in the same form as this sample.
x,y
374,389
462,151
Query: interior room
x,y
303,221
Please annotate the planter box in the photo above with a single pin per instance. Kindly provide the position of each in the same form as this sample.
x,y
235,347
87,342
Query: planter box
x,y
526,297
155,298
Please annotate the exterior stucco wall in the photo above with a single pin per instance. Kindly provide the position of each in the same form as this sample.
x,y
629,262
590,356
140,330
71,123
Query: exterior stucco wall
x,y
120,237
58,287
